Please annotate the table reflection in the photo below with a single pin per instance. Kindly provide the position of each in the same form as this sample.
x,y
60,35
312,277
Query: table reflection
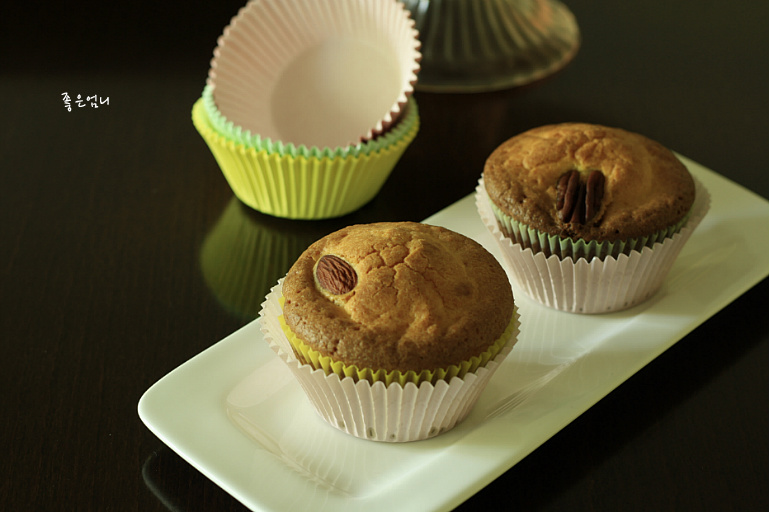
x,y
246,252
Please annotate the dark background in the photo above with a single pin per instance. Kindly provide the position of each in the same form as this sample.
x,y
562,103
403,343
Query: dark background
x,y
103,213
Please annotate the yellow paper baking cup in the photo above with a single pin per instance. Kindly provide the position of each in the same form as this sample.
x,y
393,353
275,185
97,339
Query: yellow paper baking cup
x,y
310,356
300,187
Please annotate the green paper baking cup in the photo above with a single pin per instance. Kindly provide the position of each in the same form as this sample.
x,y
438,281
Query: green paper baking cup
x,y
301,187
244,137
600,284
529,237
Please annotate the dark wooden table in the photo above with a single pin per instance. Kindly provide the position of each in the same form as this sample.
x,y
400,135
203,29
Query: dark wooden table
x,y
103,213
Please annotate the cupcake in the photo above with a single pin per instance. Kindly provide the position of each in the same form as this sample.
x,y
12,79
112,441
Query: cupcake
x,y
590,218
393,329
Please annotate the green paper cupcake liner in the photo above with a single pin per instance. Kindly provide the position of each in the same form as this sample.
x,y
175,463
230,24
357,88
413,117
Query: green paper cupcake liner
x,y
529,237
601,285
246,138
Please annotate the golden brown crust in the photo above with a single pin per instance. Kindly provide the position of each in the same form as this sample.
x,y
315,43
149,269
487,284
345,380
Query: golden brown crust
x,y
646,188
426,297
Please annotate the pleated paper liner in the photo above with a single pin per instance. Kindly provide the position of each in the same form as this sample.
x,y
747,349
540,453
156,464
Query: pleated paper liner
x,y
244,137
301,187
600,285
566,247
308,355
318,73
374,410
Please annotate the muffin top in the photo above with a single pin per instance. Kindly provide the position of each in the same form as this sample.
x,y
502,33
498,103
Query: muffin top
x,y
397,296
578,180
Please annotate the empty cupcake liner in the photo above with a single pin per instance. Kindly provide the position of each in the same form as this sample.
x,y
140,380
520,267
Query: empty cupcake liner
x,y
598,285
325,73
378,412
238,135
301,187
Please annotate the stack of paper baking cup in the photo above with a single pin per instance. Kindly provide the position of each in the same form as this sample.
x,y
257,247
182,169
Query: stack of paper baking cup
x,y
408,117
311,80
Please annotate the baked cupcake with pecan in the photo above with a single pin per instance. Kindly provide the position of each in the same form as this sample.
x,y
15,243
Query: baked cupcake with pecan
x,y
577,205
393,329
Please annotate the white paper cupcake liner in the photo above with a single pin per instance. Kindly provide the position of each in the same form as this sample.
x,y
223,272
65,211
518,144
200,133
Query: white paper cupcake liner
x,y
374,411
319,73
598,286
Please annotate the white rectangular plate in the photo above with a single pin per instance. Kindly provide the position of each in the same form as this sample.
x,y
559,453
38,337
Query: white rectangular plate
x,y
235,413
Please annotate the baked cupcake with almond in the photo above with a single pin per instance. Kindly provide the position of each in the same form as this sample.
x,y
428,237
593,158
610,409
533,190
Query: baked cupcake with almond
x,y
393,329
590,218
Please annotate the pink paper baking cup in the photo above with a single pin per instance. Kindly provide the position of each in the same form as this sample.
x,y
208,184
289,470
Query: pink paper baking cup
x,y
377,412
598,286
319,73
